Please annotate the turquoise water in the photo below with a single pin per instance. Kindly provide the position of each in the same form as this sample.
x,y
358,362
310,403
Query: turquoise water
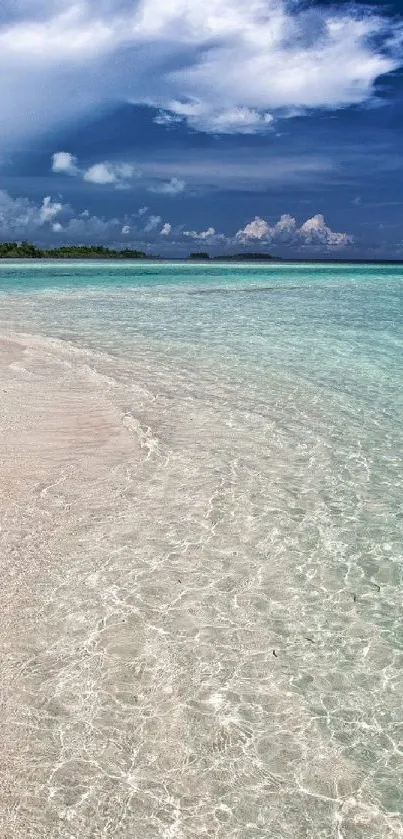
x,y
271,402
338,325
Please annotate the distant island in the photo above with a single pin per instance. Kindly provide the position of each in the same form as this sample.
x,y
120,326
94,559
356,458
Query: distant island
x,y
237,257
25,250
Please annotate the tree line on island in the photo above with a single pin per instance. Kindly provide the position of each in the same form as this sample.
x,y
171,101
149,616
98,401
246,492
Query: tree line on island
x,y
26,250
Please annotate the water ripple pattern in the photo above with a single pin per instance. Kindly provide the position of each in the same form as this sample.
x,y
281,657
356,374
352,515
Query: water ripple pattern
x,y
201,551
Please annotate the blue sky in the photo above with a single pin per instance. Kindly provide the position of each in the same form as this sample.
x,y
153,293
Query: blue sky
x,y
212,125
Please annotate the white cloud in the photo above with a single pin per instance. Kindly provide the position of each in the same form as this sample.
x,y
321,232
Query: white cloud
x,y
62,36
119,174
152,223
204,234
108,173
238,63
285,227
209,236
21,218
64,162
237,120
100,173
166,175
142,211
173,187
49,209
258,229
313,232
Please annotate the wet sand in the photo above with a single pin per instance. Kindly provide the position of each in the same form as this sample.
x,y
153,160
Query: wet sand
x,y
60,442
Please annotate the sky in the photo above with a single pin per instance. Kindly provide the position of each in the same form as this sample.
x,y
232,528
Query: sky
x,y
203,125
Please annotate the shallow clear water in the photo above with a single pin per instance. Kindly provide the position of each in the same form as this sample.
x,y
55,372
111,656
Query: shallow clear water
x,y
251,541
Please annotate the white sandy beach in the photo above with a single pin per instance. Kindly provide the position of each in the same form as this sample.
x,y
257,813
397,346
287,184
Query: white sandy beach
x,y
59,443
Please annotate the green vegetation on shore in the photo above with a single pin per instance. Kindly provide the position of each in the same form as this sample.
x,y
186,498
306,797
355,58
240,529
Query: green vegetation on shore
x,y
25,250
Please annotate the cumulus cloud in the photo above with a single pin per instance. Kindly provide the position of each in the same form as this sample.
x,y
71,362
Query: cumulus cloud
x,y
109,173
204,234
209,236
313,232
173,187
21,218
119,174
237,64
64,162
49,209
259,230
100,173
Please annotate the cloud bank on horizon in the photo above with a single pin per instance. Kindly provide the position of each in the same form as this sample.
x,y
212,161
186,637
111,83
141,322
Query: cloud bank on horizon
x,y
222,66
52,222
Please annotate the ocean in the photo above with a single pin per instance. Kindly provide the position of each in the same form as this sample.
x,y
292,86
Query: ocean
x,y
211,640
